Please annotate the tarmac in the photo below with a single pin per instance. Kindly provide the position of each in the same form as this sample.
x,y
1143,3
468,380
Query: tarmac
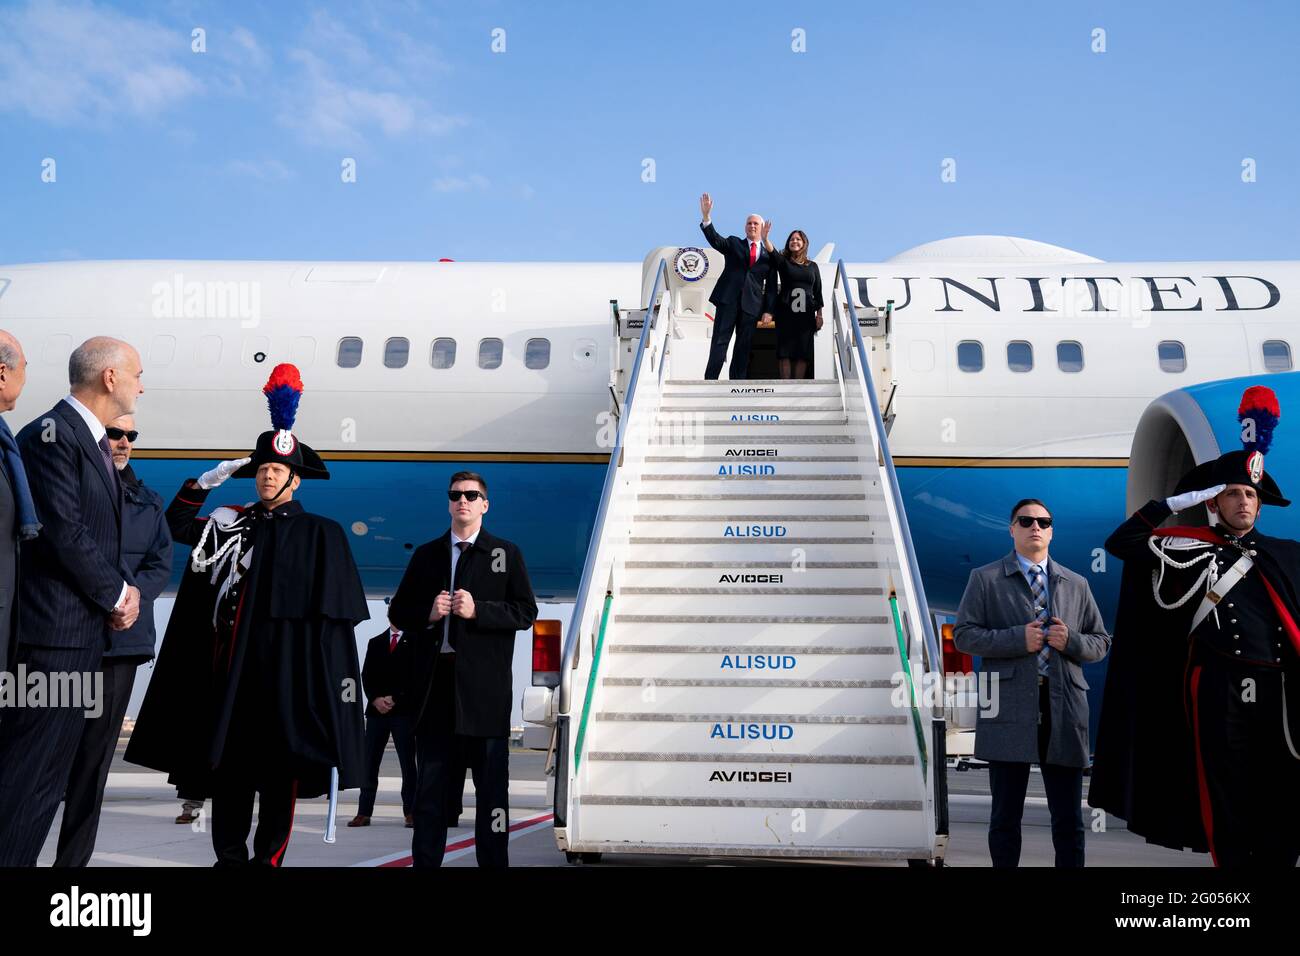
x,y
137,828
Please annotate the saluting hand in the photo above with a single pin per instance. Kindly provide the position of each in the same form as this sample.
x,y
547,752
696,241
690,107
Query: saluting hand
x,y
1058,635
462,604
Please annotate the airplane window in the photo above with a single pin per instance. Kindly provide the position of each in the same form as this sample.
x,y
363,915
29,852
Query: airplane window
x,y
970,356
1069,356
1172,357
396,352
443,354
489,353
1020,356
537,353
349,355
1277,356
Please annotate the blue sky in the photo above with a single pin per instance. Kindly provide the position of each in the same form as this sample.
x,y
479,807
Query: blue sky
x,y
537,152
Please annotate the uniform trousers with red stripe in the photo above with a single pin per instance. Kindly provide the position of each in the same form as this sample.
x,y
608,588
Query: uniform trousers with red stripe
x,y
1249,781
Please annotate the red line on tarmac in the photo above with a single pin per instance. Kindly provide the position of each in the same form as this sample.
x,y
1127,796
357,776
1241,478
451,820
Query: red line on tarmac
x,y
469,841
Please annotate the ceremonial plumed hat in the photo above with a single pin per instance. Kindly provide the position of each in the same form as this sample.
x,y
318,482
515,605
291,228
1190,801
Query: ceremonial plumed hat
x,y
1258,414
280,445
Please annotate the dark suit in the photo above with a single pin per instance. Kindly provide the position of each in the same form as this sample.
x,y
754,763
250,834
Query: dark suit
x,y
8,572
72,577
741,295
382,675
461,701
147,551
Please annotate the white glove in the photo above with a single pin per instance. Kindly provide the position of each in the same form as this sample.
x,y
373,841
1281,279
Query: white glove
x,y
1190,498
210,479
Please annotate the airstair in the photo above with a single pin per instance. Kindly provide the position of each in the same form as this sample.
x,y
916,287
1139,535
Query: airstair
x,y
750,664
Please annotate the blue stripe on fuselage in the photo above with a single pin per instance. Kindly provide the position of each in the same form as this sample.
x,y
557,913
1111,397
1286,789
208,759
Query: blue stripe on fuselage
x,y
546,509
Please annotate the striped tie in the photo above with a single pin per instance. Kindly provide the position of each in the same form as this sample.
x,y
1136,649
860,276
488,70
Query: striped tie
x,y
1038,585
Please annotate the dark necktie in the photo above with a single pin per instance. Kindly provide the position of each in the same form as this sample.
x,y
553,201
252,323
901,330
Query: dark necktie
x,y
107,451
1038,585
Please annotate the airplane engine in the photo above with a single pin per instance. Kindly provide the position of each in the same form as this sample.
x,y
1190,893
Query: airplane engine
x,y
1183,428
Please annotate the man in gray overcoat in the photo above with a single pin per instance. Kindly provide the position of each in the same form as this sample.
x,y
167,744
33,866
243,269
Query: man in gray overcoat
x,y
1034,623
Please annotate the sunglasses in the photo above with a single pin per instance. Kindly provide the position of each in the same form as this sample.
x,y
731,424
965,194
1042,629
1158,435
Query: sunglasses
x,y
469,495
1025,521
116,434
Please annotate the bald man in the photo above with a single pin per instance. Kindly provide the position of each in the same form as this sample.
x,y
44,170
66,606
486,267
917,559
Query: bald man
x,y
75,585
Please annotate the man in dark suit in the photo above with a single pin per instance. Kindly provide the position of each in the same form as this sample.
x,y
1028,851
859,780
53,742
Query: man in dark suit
x,y
147,552
17,511
75,584
1034,623
388,658
463,598
741,294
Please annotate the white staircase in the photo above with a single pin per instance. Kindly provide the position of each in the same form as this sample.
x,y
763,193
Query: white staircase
x,y
744,668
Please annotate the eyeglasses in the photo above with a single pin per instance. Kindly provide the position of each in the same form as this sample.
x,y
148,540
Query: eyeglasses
x,y
1026,521
116,434
469,495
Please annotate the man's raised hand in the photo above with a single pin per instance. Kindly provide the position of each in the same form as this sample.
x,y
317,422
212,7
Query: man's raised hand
x,y
706,206
211,479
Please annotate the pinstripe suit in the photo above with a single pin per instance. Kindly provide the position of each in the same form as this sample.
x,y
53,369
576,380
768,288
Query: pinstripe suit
x,y
72,577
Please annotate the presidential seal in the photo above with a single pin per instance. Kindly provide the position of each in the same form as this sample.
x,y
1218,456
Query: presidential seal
x,y
691,264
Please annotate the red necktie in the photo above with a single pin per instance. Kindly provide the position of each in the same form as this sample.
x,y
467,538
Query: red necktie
x,y
753,253
392,644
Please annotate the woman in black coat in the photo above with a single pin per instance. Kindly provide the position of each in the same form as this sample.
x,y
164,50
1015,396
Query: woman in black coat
x,y
798,302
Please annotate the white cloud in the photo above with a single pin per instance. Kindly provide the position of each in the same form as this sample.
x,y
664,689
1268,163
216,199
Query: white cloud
x,y
69,63
325,105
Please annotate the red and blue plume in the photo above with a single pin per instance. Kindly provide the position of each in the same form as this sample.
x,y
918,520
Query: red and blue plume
x,y
282,390
1259,406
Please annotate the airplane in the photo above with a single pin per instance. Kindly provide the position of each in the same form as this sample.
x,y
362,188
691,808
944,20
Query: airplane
x,y
1012,368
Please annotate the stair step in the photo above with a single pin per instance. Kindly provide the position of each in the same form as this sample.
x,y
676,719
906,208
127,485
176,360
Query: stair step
x,y
687,431
791,830
755,600
679,401
661,783
773,551
659,666
736,435
743,850
787,619
747,703
767,630
763,682
727,384
758,496
743,592
698,415
774,803
749,469
663,733
810,649
697,757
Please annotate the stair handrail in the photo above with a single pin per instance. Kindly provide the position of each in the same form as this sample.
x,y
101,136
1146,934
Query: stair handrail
x,y
865,381
577,622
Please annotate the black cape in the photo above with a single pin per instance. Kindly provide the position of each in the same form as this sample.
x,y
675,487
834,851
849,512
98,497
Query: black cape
x,y
302,599
1144,769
